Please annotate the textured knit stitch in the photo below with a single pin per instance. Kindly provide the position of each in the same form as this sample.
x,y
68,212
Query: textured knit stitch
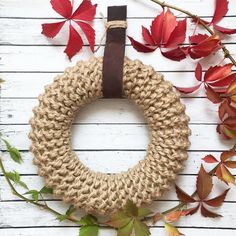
x,y
100,192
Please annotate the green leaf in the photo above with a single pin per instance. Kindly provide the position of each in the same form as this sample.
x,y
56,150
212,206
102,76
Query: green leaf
x,y
88,220
141,229
22,184
61,217
119,219
34,194
14,153
89,230
131,208
70,210
46,190
14,176
142,212
126,230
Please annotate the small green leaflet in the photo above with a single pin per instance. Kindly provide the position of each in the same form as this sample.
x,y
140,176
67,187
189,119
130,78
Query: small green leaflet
x,y
89,226
35,193
68,213
129,219
46,190
15,177
14,153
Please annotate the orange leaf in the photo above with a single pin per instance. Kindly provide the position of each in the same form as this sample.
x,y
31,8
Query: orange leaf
x,y
217,201
230,164
183,196
156,218
210,159
204,183
226,155
173,216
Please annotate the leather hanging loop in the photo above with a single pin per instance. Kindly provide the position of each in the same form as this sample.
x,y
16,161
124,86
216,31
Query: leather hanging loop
x,y
113,60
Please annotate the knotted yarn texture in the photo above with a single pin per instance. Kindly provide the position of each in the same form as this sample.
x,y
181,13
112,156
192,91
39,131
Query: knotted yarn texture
x,y
100,192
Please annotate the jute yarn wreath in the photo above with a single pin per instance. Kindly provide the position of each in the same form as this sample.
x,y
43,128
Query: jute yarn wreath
x,y
100,192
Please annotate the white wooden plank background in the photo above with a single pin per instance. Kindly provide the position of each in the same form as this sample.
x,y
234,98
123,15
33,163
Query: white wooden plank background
x,y
109,135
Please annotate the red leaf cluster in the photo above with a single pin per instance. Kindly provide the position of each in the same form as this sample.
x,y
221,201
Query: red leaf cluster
x,y
81,17
221,170
204,187
165,33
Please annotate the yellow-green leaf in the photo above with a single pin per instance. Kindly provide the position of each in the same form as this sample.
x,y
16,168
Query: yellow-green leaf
x,y
119,219
171,230
14,153
126,230
142,212
141,229
89,230
131,208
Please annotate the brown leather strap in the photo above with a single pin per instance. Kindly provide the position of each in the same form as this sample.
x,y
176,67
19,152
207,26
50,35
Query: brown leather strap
x,y
113,60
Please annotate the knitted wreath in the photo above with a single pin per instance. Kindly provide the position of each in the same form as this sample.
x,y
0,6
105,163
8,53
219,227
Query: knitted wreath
x,y
100,192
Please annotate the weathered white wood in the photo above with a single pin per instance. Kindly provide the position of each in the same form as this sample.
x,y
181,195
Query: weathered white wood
x,y
11,31
16,111
36,217
185,182
204,137
137,8
22,85
107,232
32,58
118,161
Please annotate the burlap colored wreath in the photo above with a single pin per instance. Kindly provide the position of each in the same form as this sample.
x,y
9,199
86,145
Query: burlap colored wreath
x,y
100,192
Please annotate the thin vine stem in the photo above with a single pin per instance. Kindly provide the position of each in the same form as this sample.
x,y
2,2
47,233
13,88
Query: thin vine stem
x,y
201,22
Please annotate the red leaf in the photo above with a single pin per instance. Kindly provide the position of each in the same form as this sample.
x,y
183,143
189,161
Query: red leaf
x,y
212,95
169,25
226,155
89,33
196,39
224,81
183,196
157,27
230,164
86,11
221,9
178,34
217,201
222,109
74,44
210,159
188,90
192,211
230,123
224,30
52,29
204,183
198,72
147,36
215,73
62,7
176,54
141,47
205,212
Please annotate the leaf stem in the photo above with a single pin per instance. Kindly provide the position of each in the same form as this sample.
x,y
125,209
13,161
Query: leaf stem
x,y
201,22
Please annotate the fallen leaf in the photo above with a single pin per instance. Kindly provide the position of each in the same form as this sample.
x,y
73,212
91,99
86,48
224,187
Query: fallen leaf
x,y
188,89
63,8
227,177
171,230
226,155
221,9
204,183
156,217
140,47
196,39
198,72
209,159
141,229
119,219
183,196
205,212
126,230
212,95
217,201
176,54
224,30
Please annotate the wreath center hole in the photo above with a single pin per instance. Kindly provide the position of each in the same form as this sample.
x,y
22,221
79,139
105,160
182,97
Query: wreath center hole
x,y
110,135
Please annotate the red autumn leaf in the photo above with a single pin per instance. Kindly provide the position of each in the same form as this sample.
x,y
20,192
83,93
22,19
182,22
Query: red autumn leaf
x,y
82,15
230,123
224,81
188,90
226,155
85,12
204,183
63,8
212,95
205,47
221,9
173,216
218,72
74,44
156,28
226,132
205,212
169,24
210,159
176,54
52,29
217,201
183,196
147,36
230,164
224,30
196,39
141,47
192,211
226,109
177,37
89,33
198,72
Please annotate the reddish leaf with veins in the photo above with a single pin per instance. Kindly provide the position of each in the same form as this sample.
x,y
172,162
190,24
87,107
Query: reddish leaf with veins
x,y
212,95
82,16
195,39
210,159
183,196
205,212
224,30
165,32
198,72
217,201
226,155
188,90
221,9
